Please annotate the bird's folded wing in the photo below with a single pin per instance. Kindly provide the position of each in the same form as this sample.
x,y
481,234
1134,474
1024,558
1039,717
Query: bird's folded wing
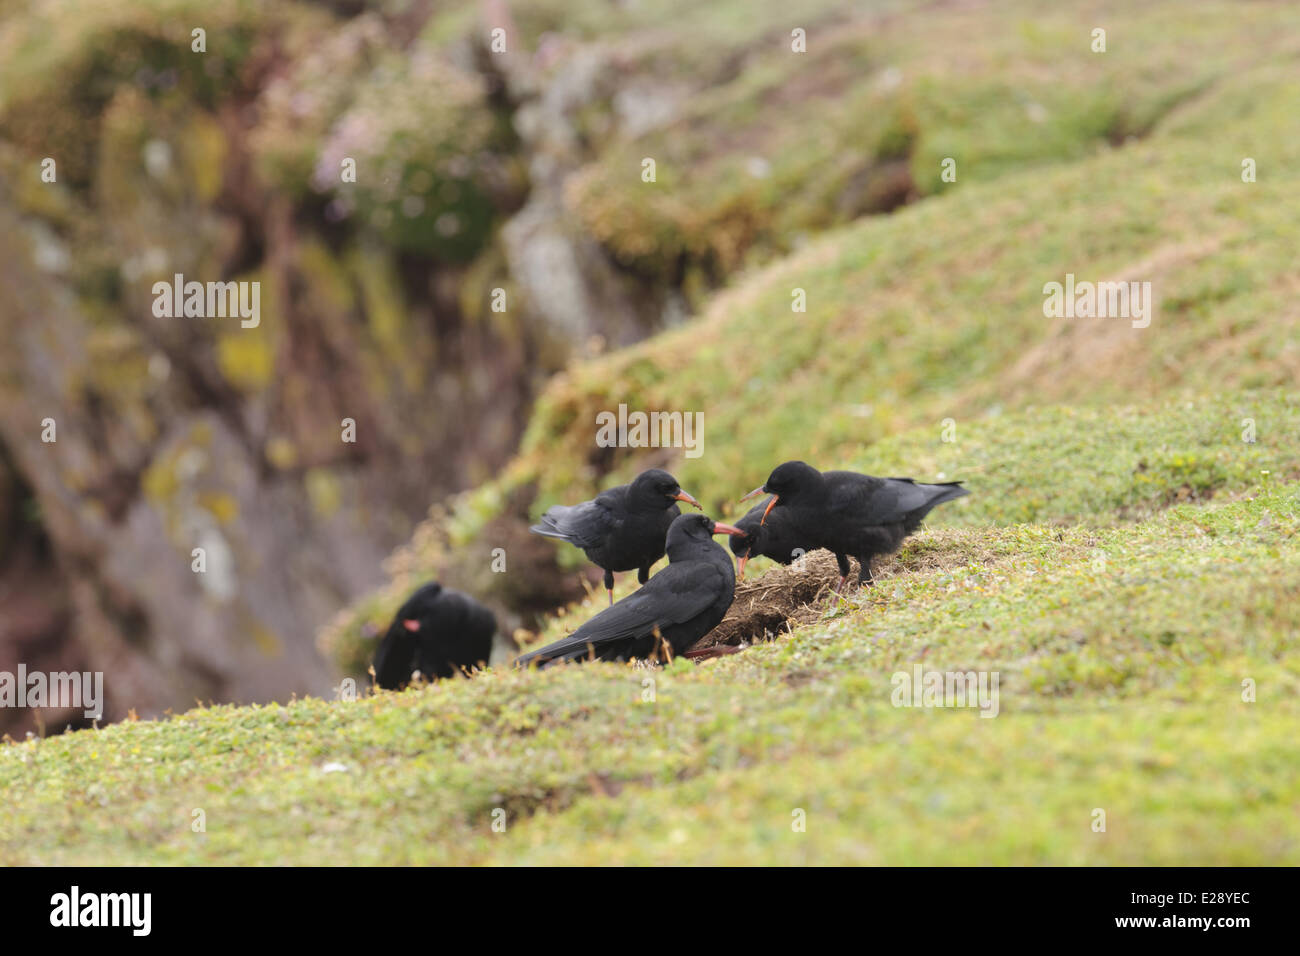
x,y
903,495
677,593
585,525
879,501
453,614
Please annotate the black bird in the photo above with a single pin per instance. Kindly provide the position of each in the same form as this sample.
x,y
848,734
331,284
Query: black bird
x,y
438,632
676,607
851,514
776,538
622,528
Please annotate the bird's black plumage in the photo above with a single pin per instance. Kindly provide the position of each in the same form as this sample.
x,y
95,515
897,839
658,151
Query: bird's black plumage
x,y
776,538
438,632
851,514
676,607
622,529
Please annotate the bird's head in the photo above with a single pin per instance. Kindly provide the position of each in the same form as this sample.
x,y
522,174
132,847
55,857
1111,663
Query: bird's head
x,y
696,528
656,489
788,480
417,614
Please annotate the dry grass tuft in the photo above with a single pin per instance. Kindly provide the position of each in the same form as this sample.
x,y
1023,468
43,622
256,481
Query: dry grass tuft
x,y
786,597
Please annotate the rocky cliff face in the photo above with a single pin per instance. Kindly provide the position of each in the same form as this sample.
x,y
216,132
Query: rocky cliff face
x,y
185,499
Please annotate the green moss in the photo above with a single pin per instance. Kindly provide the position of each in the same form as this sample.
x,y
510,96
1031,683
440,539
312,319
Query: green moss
x,y
424,158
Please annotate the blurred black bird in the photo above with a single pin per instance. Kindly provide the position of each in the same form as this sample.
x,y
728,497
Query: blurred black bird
x,y
851,514
672,611
622,528
438,632
776,538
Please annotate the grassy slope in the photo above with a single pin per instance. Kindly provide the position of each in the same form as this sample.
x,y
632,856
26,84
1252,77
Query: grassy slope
x,y
1120,650
936,311
1121,632
1025,467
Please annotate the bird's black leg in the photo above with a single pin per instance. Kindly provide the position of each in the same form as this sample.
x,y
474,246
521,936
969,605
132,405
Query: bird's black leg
x,y
643,574
864,572
609,586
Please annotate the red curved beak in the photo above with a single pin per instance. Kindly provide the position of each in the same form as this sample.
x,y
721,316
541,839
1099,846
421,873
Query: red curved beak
x,y
768,509
683,496
721,528
411,625
753,494
740,562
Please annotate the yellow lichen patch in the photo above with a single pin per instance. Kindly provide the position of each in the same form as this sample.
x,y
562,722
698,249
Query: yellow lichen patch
x,y
323,491
116,362
33,196
160,481
477,290
386,312
125,129
326,279
281,452
205,154
220,505
266,641
246,358
201,435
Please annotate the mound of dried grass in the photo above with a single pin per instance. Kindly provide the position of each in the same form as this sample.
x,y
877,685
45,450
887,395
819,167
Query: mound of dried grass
x,y
786,597
781,598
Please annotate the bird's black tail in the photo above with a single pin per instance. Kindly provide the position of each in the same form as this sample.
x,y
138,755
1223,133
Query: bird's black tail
x,y
550,524
545,657
935,495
